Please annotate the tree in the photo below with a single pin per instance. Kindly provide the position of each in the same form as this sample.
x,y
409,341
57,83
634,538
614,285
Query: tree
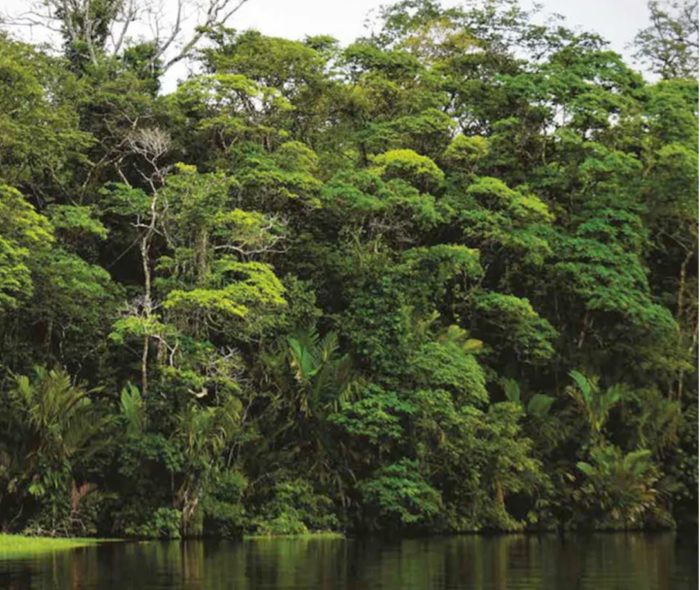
x,y
42,142
53,429
619,487
202,434
92,29
401,497
594,403
351,283
23,230
670,44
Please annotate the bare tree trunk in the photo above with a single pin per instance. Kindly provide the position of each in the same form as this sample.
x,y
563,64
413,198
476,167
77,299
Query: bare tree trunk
x,y
500,496
201,255
584,329
681,287
187,500
147,308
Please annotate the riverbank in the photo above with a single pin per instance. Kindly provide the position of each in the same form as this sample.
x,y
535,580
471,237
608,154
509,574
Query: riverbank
x,y
16,545
13,545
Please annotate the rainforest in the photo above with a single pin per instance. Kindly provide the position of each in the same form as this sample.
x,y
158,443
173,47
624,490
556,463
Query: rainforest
x,y
441,279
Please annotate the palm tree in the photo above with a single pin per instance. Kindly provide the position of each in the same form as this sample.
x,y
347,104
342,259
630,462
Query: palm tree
x,y
312,379
622,484
319,371
60,429
594,403
538,405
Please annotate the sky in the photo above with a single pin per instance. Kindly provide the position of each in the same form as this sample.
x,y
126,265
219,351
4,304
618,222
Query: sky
x,y
615,20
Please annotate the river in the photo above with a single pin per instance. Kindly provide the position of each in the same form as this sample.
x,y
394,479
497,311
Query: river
x,y
615,561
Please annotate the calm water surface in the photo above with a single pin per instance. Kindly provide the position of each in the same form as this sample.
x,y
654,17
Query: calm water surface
x,y
598,562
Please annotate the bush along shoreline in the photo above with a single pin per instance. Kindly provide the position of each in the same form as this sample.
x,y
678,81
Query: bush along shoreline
x,y
442,279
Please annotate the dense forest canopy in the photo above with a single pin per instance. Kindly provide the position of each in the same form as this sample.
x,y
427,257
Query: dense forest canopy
x,y
441,279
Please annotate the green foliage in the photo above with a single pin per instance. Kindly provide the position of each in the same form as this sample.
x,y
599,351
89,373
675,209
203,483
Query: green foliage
x,y
295,509
594,403
447,365
318,368
76,222
62,416
516,325
256,287
465,153
42,145
22,546
23,231
74,301
349,282
538,405
132,409
375,416
54,429
224,512
620,487
399,497
495,216
409,166
164,523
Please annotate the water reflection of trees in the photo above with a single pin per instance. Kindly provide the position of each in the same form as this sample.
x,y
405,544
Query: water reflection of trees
x,y
596,561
